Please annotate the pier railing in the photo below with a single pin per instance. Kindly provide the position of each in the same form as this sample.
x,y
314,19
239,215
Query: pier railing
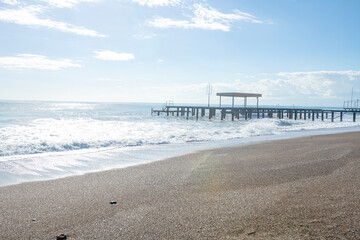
x,y
255,112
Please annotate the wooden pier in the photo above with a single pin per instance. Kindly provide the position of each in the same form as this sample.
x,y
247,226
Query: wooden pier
x,y
256,112
246,113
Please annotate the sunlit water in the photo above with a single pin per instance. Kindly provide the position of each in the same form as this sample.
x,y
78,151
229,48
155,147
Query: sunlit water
x,y
45,140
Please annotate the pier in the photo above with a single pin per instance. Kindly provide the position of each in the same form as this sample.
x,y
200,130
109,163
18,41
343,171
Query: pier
x,y
244,112
255,112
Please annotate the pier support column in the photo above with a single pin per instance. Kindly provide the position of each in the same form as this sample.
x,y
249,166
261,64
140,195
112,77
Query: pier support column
x,y
313,115
202,112
197,113
167,111
322,115
327,115
332,116
341,116
177,111
295,116
354,116
263,114
305,115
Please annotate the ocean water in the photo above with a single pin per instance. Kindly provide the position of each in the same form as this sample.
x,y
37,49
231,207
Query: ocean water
x,y
46,140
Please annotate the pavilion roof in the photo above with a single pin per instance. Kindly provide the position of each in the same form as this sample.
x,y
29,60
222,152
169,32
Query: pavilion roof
x,y
238,94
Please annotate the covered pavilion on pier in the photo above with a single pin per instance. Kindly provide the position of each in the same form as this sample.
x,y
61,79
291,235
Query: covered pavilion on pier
x,y
233,95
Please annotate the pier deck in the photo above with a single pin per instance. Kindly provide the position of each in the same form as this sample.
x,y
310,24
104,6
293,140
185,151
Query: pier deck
x,y
255,112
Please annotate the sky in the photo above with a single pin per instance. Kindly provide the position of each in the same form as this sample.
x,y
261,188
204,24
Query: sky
x,y
294,52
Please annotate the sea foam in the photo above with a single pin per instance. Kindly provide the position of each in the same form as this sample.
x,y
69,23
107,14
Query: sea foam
x,y
47,139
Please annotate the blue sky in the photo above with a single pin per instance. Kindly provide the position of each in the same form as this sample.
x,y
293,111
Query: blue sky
x,y
293,52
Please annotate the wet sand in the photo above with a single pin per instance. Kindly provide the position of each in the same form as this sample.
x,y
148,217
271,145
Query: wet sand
x,y
305,188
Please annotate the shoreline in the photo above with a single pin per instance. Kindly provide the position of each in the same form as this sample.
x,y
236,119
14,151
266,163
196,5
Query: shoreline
x,y
275,189
181,150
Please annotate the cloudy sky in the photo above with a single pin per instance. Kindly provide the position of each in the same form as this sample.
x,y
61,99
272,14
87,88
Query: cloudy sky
x,y
294,52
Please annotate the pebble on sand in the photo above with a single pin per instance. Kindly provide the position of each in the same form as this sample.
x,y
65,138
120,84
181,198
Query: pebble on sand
x,y
61,237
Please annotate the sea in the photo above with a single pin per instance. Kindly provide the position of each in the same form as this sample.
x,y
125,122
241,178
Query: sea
x,y
49,140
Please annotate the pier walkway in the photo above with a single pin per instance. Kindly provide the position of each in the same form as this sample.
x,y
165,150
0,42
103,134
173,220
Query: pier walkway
x,y
255,112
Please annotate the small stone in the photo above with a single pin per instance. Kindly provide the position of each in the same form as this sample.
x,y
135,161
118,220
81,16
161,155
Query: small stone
x,y
61,237
113,202
34,219
251,233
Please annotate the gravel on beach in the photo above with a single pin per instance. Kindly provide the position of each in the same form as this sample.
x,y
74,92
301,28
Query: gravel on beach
x,y
304,188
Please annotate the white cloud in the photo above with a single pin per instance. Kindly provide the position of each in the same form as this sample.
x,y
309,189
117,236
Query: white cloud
x,y
285,87
315,84
144,36
10,2
210,14
161,22
32,61
323,84
66,3
160,60
113,56
29,16
205,17
152,3
352,75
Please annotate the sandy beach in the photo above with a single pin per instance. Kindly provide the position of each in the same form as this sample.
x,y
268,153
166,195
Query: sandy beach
x,y
305,188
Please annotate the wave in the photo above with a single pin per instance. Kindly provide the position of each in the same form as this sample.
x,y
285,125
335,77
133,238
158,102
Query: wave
x,y
66,134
